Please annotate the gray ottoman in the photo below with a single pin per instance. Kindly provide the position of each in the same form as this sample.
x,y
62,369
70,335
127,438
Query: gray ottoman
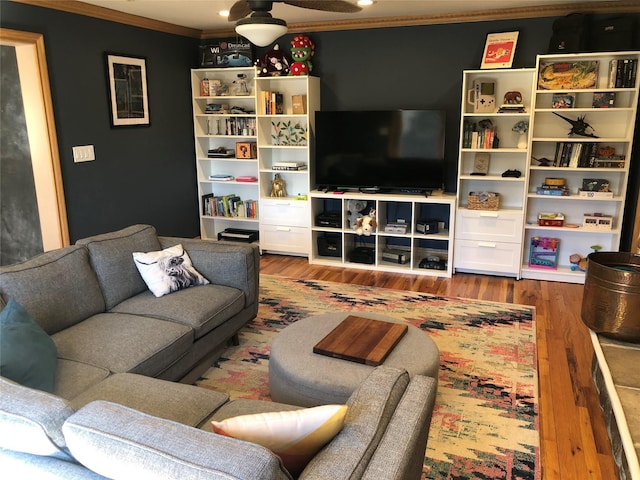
x,y
298,376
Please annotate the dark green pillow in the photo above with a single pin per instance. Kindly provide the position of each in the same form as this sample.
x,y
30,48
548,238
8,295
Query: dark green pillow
x,y
27,353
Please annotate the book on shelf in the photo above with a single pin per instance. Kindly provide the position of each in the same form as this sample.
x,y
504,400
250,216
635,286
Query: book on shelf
x,y
238,126
291,166
273,102
575,154
230,205
481,135
623,73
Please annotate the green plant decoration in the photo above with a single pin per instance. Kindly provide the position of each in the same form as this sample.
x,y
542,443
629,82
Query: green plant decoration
x,y
288,133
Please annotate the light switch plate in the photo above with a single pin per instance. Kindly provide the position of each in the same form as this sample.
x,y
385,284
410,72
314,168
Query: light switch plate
x,y
83,153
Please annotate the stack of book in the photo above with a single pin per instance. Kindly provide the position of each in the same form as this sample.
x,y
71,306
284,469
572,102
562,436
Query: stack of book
x,y
556,187
228,206
239,126
293,166
623,72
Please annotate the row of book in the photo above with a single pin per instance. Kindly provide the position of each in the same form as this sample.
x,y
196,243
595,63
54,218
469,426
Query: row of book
x,y
273,103
239,126
584,155
623,72
480,135
228,206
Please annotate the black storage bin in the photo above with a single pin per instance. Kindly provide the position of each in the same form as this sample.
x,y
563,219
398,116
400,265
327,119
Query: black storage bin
x,y
329,246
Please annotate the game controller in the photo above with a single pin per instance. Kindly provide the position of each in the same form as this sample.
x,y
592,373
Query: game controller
x,y
512,173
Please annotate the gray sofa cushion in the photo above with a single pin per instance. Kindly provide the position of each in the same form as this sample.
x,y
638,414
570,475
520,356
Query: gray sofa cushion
x,y
186,404
31,420
43,468
119,442
73,378
125,343
371,407
45,288
202,308
112,259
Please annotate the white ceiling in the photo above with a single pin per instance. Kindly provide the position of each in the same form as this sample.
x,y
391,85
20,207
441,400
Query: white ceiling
x,y
203,14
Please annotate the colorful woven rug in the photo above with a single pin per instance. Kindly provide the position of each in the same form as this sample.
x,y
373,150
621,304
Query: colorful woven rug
x,y
485,423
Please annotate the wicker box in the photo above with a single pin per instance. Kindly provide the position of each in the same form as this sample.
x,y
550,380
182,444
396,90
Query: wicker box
x,y
483,201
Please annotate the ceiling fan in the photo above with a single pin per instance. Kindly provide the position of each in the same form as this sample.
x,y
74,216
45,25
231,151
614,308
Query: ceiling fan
x,y
262,29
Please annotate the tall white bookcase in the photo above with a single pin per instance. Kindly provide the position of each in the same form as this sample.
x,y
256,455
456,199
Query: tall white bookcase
x,y
490,241
224,130
613,124
285,148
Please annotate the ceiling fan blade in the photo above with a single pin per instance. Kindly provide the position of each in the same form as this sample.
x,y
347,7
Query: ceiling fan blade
x,y
239,10
341,6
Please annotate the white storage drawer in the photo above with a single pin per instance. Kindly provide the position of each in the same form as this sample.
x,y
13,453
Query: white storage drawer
x,y
487,256
494,226
284,238
294,213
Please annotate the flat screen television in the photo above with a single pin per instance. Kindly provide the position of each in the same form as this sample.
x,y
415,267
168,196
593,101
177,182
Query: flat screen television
x,y
391,150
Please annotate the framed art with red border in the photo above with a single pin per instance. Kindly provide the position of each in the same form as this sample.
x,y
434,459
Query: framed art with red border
x,y
499,50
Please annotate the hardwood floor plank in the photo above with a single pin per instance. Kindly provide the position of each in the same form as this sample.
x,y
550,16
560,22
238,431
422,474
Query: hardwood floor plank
x,y
573,440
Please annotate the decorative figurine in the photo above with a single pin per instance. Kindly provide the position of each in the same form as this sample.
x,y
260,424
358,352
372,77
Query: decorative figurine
x,y
278,186
578,127
274,63
302,49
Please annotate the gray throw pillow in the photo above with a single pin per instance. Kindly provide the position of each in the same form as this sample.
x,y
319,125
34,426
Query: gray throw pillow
x,y
27,353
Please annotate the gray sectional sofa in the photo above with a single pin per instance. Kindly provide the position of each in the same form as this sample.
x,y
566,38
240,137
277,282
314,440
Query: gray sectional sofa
x,y
121,406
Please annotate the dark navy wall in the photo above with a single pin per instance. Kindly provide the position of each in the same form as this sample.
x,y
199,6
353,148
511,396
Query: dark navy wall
x,y
148,175
141,174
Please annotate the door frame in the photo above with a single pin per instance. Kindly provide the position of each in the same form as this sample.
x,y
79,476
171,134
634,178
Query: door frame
x,y
43,142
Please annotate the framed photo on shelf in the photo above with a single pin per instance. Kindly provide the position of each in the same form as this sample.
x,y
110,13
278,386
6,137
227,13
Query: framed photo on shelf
x,y
128,96
499,50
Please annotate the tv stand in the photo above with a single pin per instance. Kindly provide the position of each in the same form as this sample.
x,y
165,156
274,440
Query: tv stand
x,y
395,248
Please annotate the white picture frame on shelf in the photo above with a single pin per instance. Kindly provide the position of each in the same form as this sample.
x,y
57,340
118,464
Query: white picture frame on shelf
x,y
499,50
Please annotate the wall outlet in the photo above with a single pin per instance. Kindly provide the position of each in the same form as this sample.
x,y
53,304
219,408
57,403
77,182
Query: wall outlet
x,y
83,153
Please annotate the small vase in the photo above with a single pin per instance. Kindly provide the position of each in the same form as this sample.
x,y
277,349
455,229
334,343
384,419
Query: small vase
x,y
522,140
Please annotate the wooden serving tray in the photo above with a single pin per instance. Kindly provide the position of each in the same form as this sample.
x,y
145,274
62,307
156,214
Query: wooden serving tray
x,y
361,340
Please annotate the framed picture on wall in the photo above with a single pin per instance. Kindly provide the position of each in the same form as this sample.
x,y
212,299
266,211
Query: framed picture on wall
x,y
128,96
499,50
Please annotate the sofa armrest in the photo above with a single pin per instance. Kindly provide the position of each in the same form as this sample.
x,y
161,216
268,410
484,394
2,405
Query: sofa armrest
x,y
224,263
119,442
400,454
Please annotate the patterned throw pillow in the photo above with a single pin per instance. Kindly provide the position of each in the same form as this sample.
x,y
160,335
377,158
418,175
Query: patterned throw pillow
x,y
28,356
168,270
295,436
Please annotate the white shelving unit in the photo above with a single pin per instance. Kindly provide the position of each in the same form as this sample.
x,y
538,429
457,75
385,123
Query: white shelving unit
x,y
490,241
214,130
333,245
286,137
614,127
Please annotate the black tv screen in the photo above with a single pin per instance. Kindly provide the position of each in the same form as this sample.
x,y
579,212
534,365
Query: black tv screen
x,y
394,150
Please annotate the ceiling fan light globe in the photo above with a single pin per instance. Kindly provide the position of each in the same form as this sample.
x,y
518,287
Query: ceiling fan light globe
x,y
261,31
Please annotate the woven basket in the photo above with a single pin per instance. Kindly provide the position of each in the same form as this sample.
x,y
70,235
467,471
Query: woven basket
x,y
484,201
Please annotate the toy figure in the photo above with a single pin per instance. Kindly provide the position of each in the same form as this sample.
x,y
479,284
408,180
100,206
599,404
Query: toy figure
x,y
274,63
578,127
367,225
302,49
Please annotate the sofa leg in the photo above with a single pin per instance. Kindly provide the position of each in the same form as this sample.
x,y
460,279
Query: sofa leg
x,y
235,340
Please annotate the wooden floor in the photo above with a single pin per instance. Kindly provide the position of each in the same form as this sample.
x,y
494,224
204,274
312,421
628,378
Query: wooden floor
x,y
573,437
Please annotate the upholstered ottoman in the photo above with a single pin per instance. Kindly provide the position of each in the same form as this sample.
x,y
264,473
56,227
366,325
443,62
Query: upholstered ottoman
x,y
298,376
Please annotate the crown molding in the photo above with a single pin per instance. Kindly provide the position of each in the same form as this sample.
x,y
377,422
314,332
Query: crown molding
x,y
89,10
555,10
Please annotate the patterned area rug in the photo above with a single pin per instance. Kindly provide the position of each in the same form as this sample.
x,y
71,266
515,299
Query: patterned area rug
x,y
485,424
